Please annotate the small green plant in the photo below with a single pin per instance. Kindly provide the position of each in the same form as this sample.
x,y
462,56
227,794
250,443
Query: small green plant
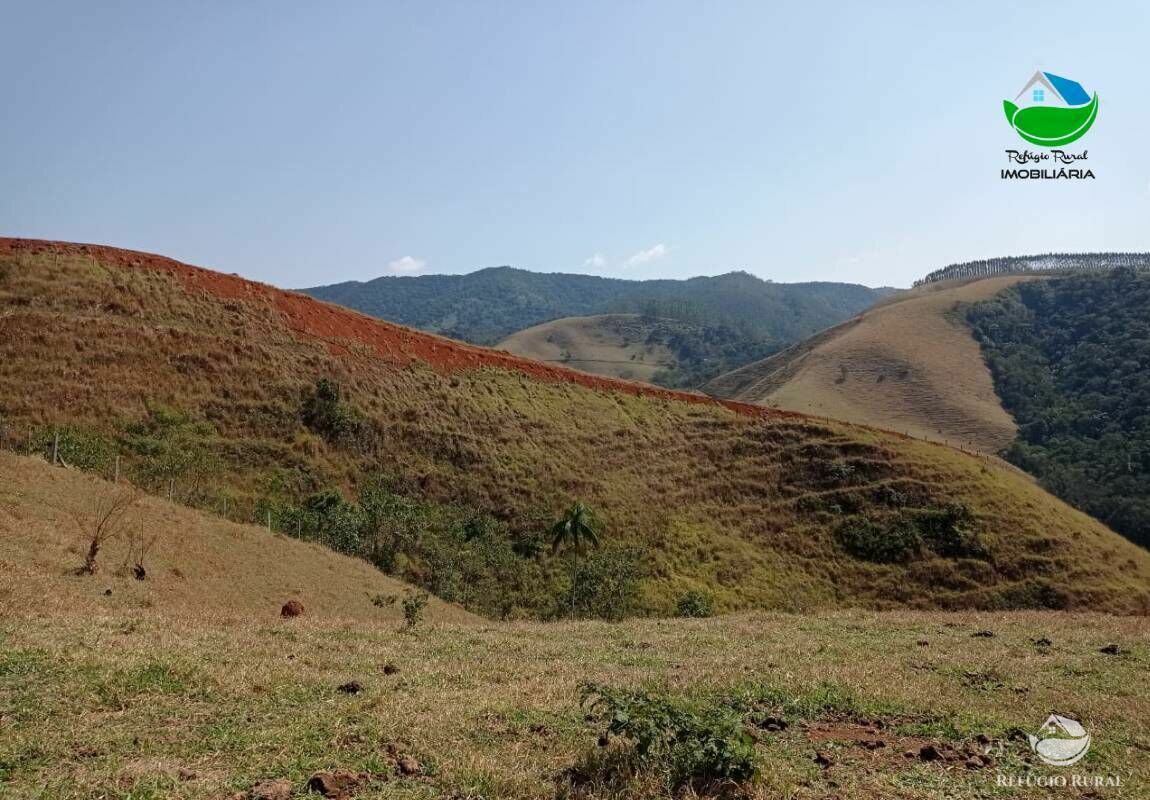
x,y
383,600
700,745
695,604
413,607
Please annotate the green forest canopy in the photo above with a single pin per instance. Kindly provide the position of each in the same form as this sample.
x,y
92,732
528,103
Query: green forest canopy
x,y
1070,359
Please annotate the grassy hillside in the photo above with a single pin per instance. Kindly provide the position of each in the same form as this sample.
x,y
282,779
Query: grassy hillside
x,y
196,564
1071,360
486,306
666,352
130,703
444,464
910,364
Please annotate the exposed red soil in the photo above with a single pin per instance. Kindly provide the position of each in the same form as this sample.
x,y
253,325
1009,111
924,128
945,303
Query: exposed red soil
x,y
311,318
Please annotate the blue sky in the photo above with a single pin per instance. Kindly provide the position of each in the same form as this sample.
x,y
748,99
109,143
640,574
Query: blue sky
x,y
307,143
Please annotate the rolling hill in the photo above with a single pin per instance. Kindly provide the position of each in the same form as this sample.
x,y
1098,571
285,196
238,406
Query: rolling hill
x,y
444,463
909,364
666,352
199,565
487,306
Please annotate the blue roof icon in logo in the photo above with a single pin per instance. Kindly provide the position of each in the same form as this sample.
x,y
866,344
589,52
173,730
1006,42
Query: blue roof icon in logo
x,y
1071,91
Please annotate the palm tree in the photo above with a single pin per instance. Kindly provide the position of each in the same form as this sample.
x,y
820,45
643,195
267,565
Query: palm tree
x,y
577,527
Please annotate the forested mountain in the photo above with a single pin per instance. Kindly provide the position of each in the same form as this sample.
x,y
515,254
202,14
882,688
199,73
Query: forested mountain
x,y
1071,361
484,307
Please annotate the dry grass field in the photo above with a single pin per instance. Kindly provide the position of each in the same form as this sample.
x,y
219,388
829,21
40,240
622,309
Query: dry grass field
x,y
122,703
189,684
909,364
738,501
609,344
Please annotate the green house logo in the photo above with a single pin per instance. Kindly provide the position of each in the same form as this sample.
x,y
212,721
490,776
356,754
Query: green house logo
x,y
1051,111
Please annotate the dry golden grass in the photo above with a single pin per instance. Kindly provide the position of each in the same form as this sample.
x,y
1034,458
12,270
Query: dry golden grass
x,y
910,365
200,566
742,506
595,344
135,703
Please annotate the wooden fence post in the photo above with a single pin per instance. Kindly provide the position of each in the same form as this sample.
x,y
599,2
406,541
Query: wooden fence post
x,y
56,448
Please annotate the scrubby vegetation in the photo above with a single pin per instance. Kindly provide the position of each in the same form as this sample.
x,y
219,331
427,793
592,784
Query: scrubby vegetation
x,y
912,534
695,604
1071,361
701,745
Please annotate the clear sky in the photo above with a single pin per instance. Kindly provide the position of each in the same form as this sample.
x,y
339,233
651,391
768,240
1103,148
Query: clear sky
x,y
306,143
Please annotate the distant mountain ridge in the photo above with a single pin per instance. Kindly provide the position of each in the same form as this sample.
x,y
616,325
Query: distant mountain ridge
x,y
1046,263
484,307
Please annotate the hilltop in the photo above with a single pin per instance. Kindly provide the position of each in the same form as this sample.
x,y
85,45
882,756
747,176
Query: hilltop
x,y
485,307
443,464
666,352
909,364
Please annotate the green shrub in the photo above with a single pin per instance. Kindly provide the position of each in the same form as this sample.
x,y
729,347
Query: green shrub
x,y
76,448
908,534
328,415
698,745
608,580
413,606
695,604
881,542
942,531
167,445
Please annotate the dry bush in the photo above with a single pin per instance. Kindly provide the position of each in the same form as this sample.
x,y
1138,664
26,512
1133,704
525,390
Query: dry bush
x,y
140,544
110,516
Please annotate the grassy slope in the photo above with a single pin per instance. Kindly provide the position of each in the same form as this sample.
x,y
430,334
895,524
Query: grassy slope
x,y
115,703
909,364
200,566
615,345
735,500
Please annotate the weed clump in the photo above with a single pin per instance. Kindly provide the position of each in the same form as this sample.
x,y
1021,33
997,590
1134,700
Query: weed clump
x,y
682,744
